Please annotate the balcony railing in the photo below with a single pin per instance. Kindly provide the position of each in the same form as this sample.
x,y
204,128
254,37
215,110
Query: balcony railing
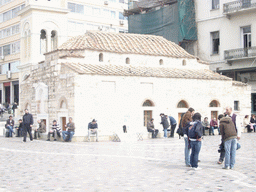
x,y
238,5
240,53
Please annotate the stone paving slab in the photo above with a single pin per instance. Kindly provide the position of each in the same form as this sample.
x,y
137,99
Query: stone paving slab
x,y
149,165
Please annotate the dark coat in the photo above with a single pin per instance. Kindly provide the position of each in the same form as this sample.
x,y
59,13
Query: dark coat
x,y
227,129
9,122
186,119
150,125
164,122
28,119
92,126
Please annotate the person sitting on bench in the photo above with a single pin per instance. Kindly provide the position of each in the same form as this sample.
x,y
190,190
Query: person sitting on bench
x,y
54,131
151,128
93,129
9,125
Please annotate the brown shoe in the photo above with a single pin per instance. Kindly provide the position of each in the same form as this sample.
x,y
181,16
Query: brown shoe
x,y
219,162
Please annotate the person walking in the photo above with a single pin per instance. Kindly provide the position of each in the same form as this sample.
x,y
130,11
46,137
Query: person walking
x,y
186,119
229,137
165,124
173,123
195,133
27,125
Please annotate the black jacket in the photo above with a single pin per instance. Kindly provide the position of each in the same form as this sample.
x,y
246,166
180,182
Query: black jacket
x,y
164,122
92,126
28,119
9,122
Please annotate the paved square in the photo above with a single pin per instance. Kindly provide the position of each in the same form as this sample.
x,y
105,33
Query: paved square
x,y
149,165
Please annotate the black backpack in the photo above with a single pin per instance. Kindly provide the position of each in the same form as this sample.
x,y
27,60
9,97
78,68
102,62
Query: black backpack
x,y
180,129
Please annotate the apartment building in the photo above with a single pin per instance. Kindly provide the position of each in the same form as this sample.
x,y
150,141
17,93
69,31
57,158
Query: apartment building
x,y
227,40
30,28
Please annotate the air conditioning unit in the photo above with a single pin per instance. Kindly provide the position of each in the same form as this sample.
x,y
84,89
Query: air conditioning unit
x,y
8,74
2,57
105,2
121,22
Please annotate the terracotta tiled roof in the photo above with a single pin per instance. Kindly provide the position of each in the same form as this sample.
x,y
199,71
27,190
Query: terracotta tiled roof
x,y
126,43
120,70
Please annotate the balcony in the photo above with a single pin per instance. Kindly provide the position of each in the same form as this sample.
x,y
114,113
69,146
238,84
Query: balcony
x,y
238,6
238,54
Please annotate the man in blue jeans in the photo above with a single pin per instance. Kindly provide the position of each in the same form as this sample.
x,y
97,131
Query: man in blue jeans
x,y
186,119
9,125
229,137
70,131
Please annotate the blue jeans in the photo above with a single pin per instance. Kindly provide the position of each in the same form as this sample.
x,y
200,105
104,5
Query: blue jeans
x,y
195,149
67,133
230,152
212,130
11,130
165,132
187,152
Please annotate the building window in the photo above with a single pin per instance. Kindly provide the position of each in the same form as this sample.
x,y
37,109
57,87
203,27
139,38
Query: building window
x,y
6,50
215,42
100,57
236,105
161,62
43,42
214,103
54,40
184,63
76,8
247,37
127,60
148,103
215,4
182,104
122,17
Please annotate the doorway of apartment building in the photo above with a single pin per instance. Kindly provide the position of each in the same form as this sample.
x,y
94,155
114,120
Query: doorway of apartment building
x,y
7,94
16,91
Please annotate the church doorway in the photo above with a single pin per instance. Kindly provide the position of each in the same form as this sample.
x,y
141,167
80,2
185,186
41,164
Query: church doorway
x,y
63,122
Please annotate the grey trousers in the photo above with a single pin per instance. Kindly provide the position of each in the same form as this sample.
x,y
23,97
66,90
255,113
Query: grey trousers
x,y
90,132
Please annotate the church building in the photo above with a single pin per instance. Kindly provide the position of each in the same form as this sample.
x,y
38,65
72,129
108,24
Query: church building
x,y
125,79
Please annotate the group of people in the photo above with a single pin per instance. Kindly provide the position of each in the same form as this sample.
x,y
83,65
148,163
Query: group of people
x,y
165,123
250,124
25,126
193,130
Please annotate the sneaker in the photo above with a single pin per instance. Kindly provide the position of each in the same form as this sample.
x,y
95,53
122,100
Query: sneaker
x,y
48,140
225,167
55,140
23,141
197,168
220,162
188,165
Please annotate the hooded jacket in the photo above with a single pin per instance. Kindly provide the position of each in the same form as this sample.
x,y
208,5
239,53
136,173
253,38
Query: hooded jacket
x,y
227,129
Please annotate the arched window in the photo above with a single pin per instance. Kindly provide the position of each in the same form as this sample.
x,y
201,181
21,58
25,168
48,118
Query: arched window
x,y
161,62
101,57
63,105
127,60
148,103
214,103
182,104
184,63
147,113
54,40
43,42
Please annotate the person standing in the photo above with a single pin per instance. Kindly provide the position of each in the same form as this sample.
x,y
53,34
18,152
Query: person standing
x,y
173,123
253,121
70,131
195,133
165,124
151,128
27,123
229,137
9,125
93,129
236,122
186,119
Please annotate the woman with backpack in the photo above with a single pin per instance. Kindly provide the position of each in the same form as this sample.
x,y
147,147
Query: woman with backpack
x,y
195,133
